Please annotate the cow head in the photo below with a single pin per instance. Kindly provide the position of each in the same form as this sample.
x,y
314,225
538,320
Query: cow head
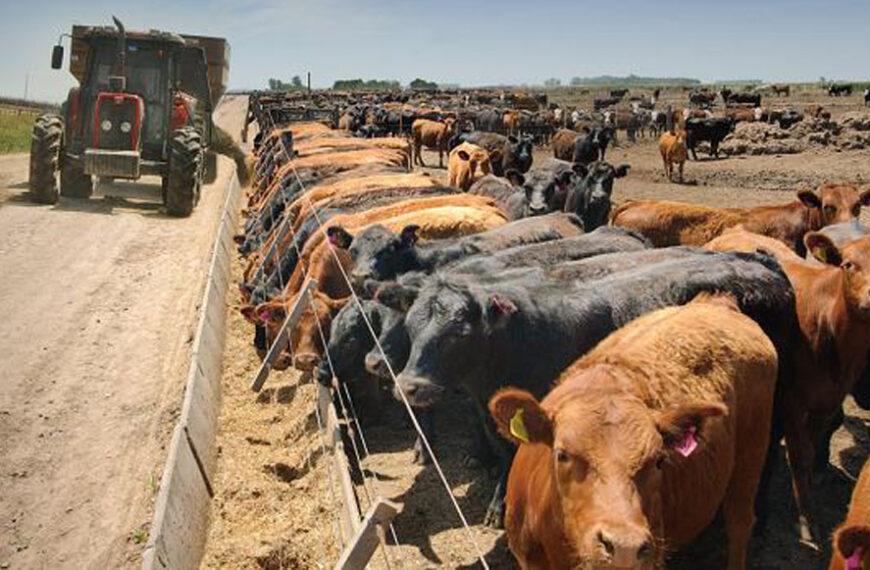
x,y
853,261
608,459
546,190
378,253
450,326
474,163
520,150
834,203
590,200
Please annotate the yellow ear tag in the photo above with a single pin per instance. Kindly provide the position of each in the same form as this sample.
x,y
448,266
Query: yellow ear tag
x,y
518,427
822,254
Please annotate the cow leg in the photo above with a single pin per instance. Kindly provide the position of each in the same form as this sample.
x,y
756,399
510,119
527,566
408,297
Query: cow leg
x,y
665,164
680,166
424,418
738,506
494,517
420,156
826,428
799,446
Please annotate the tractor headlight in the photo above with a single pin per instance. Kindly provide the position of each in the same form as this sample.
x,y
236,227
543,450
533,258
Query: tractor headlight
x,y
106,125
125,127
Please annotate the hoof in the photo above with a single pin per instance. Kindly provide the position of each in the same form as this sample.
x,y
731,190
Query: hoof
x,y
494,517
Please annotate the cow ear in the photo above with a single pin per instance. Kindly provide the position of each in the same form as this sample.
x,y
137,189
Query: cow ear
x,y
622,170
681,427
809,199
498,310
395,296
513,139
339,237
266,312
864,197
515,177
823,248
495,156
409,236
520,418
853,544
463,155
580,169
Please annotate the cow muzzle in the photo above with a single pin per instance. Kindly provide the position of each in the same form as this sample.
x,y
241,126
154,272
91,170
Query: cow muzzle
x,y
420,392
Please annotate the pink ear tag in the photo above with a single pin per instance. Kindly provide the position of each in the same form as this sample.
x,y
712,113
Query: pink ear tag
x,y
264,316
689,443
854,561
333,238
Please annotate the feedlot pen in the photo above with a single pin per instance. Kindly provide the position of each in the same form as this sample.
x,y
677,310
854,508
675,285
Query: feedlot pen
x,y
278,495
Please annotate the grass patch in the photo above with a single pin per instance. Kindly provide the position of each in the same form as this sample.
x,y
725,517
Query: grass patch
x,y
15,132
138,536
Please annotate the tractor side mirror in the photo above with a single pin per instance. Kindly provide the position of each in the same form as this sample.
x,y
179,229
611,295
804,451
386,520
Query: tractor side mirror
x,y
57,57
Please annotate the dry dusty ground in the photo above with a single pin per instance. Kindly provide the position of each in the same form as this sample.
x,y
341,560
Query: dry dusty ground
x,y
99,301
274,510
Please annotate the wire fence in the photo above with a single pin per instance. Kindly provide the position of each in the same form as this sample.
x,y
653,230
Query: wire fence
x,y
360,536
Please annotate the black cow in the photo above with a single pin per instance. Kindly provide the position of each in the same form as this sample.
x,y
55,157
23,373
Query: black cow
x,y
523,332
618,93
505,152
592,145
733,97
599,104
867,97
379,254
713,130
589,198
489,120
836,90
508,192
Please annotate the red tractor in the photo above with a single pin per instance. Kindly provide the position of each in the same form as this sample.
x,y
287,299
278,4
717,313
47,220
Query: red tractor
x,y
143,107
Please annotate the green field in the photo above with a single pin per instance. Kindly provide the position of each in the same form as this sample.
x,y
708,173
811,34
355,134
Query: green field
x,y
15,132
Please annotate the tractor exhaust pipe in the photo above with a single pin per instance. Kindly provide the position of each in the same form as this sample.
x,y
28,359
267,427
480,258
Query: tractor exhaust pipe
x,y
118,81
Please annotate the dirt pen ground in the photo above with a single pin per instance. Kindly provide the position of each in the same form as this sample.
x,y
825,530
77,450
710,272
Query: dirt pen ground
x,y
274,508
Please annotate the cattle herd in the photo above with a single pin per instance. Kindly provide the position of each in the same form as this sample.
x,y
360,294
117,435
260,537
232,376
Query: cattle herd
x,y
634,366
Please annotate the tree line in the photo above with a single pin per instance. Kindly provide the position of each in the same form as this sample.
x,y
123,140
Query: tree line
x,y
354,84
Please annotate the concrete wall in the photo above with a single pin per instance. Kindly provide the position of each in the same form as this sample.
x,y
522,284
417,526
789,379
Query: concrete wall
x,y
181,512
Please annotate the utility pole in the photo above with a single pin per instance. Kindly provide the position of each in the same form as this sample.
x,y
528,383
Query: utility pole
x,y
26,82
309,83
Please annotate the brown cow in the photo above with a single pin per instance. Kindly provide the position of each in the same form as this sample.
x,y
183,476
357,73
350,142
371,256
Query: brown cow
x,y
833,308
852,538
672,146
432,135
563,144
610,471
511,122
466,164
676,223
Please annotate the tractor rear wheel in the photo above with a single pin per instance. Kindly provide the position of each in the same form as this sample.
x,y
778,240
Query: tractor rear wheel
x,y
184,177
74,183
45,152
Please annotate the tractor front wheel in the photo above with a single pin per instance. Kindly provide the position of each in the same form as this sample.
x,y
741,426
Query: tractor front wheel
x,y
184,177
45,152
74,183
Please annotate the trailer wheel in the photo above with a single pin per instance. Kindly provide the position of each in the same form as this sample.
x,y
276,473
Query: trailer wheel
x,y
74,183
184,172
45,151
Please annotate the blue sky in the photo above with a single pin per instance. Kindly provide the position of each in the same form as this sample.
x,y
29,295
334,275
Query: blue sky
x,y
471,43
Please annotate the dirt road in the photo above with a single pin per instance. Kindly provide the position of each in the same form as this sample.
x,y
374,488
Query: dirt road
x,y
98,301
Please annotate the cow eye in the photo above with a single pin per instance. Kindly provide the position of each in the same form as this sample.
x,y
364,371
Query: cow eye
x,y
660,462
856,210
830,210
848,265
562,456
